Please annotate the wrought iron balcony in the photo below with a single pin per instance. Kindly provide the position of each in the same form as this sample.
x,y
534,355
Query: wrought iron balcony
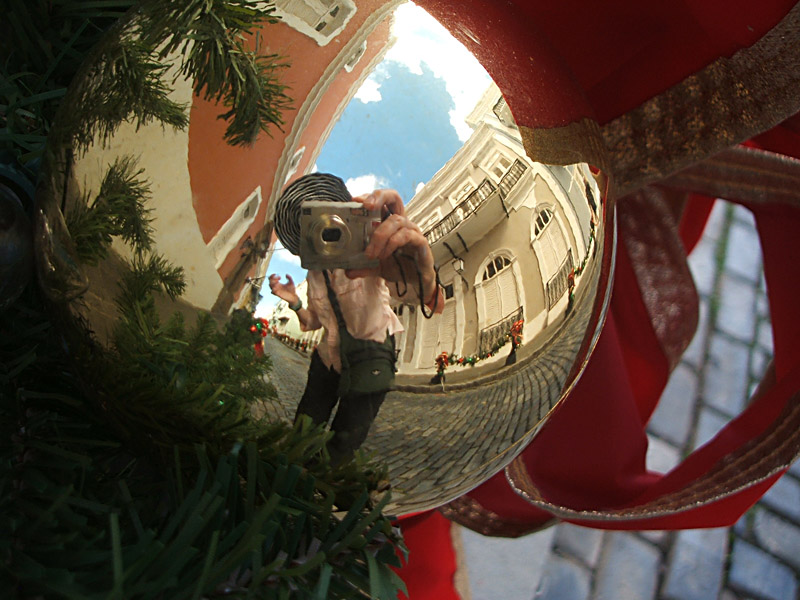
x,y
464,209
511,177
558,284
495,334
475,200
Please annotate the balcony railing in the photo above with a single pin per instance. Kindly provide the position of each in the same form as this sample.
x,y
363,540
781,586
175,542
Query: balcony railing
x,y
495,335
464,209
475,199
512,176
558,284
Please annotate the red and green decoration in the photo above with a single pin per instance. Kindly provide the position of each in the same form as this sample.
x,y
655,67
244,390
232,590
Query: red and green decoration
x,y
514,336
441,363
260,329
579,269
288,340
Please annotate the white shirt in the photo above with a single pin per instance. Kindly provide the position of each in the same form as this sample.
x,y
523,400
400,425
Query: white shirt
x,y
365,306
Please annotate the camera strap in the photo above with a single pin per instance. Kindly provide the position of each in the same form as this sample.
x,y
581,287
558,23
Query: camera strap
x,y
367,366
337,310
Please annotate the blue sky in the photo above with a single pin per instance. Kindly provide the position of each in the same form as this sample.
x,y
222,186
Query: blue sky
x,y
401,140
403,124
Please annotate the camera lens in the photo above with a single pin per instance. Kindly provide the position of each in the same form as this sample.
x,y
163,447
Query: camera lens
x,y
331,234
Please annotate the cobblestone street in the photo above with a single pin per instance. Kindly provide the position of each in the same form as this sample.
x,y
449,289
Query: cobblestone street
x,y
758,558
438,446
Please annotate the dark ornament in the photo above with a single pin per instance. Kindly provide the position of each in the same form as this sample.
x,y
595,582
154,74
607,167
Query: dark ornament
x,y
16,247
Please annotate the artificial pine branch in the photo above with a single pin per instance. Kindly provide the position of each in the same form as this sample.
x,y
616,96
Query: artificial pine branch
x,y
125,84
117,210
90,505
147,275
211,36
85,514
43,43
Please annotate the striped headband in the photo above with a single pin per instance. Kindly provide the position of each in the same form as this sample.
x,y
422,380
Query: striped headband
x,y
314,186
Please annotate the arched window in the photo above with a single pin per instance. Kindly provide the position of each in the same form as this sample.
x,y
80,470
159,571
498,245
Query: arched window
x,y
495,266
543,218
552,252
500,294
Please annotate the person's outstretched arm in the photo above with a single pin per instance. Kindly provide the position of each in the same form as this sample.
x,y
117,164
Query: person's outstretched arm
x,y
286,291
414,257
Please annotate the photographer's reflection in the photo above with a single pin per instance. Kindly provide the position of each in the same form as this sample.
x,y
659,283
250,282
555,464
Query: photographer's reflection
x,y
354,363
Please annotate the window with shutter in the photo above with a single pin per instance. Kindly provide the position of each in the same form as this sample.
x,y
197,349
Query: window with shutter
x,y
550,244
447,328
500,291
509,298
429,341
321,20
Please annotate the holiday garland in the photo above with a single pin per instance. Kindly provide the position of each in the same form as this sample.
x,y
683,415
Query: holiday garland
x,y
446,359
142,469
96,505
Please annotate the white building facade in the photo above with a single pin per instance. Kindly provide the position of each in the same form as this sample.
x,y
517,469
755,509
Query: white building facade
x,y
507,234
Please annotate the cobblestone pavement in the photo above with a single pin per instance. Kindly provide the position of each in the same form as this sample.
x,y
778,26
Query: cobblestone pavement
x,y
759,557
438,446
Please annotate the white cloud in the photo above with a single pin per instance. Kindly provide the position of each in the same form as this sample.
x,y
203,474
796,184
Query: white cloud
x,y
264,309
364,184
420,185
370,90
420,38
283,255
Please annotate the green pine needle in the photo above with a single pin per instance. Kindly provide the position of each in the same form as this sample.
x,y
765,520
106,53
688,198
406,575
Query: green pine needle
x,y
120,470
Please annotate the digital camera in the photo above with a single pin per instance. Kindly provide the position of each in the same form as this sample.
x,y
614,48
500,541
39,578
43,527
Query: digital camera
x,y
333,235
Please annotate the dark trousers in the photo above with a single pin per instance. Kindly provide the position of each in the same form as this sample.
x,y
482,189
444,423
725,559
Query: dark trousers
x,y
353,418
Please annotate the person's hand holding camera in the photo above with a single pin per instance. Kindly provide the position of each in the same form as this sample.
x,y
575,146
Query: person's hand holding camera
x,y
414,259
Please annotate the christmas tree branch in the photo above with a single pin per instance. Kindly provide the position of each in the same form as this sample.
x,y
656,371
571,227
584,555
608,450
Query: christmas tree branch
x,y
118,209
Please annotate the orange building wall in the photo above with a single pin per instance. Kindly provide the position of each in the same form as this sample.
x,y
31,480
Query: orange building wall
x,y
335,95
223,176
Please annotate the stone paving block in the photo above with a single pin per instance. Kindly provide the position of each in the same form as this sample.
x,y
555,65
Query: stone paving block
x,y
743,525
583,543
696,564
784,497
708,424
656,536
737,308
755,572
751,387
662,457
510,569
628,569
564,579
726,375
759,360
702,263
694,354
672,419
762,304
716,221
743,253
778,536
742,214
765,336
